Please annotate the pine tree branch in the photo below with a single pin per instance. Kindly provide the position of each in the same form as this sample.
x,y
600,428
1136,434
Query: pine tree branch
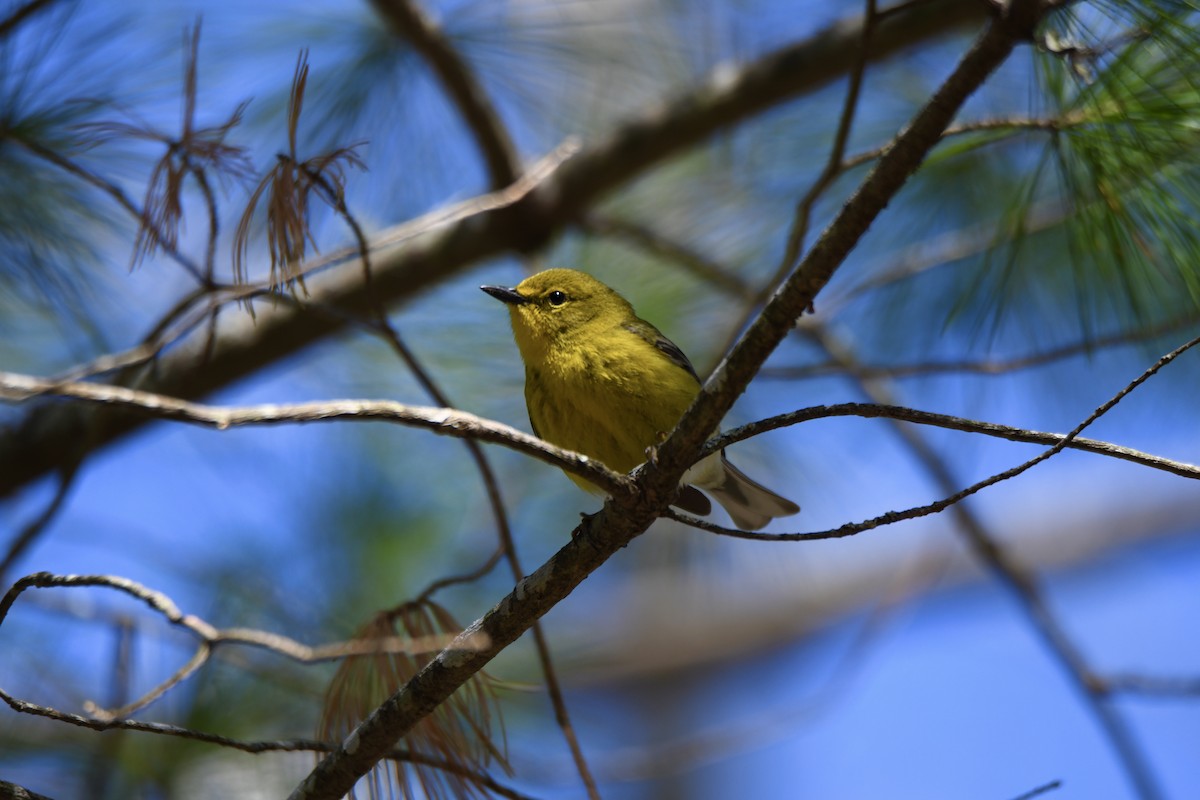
x,y
40,442
624,518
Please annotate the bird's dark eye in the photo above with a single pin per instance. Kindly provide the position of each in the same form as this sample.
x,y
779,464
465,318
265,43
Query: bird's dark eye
x,y
557,298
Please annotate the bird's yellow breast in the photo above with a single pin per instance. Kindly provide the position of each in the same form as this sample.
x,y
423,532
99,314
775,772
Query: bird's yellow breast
x,y
609,400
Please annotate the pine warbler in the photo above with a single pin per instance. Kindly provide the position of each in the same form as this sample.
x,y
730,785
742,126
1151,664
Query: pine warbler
x,y
603,382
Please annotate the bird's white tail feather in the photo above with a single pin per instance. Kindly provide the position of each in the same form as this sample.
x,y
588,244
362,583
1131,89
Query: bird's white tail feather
x,y
750,505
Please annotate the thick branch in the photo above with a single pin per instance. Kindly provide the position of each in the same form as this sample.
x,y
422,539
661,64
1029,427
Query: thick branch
x,y
50,436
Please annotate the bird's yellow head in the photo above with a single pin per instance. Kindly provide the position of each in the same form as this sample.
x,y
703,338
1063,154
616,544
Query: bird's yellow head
x,y
551,309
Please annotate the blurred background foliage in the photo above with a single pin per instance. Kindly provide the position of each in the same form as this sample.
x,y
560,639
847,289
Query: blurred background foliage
x,y
695,667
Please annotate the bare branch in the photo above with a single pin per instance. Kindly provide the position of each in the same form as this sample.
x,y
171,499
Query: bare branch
x,y
446,421
1012,434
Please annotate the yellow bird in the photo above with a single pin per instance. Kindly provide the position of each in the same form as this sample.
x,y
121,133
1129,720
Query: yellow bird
x,y
603,382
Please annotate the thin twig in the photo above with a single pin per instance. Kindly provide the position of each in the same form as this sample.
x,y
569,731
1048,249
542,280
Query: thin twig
x,y
833,164
802,216
253,747
446,421
466,577
950,422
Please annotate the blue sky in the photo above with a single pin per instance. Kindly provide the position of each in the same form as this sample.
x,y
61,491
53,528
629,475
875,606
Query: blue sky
x,y
306,529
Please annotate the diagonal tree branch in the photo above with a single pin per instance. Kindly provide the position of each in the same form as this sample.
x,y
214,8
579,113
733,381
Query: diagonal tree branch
x,y
39,443
624,518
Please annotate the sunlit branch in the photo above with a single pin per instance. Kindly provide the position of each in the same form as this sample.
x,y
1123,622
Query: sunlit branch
x,y
445,421
11,791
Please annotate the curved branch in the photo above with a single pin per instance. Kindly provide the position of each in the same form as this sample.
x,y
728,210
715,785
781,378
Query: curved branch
x,y
445,421
211,637
1008,432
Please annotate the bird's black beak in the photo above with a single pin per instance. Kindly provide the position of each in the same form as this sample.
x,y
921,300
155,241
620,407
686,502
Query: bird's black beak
x,y
505,295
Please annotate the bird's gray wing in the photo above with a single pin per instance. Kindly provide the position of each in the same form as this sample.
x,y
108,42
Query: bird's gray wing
x,y
671,350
